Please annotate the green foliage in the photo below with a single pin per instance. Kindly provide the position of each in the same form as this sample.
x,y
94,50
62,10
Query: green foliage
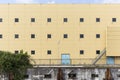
x,y
16,64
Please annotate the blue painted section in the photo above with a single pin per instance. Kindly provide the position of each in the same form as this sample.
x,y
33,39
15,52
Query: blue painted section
x,y
65,59
110,60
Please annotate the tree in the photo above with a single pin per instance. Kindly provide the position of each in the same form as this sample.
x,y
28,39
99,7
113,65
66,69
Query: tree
x,y
14,65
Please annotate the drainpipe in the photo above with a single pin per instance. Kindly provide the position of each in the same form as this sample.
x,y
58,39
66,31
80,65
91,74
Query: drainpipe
x,y
108,74
60,74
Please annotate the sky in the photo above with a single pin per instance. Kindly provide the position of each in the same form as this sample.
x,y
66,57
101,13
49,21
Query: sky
x,y
60,1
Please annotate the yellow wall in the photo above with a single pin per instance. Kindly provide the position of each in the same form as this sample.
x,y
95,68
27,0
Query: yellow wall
x,y
57,44
113,41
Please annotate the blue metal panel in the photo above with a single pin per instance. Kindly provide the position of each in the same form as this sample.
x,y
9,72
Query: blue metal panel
x,y
65,59
110,60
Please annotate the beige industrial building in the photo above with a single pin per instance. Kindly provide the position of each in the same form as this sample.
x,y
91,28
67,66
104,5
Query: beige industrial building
x,y
62,33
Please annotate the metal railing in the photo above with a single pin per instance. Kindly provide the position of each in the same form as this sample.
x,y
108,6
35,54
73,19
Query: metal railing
x,y
83,61
73,62
99,56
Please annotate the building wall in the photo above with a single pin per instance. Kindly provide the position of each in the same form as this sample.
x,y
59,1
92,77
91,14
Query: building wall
x,y
57,44
113,41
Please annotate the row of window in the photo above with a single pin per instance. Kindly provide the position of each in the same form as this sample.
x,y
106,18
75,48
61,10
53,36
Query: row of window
x,y
50,52
33,52
64,20
82,51
50,36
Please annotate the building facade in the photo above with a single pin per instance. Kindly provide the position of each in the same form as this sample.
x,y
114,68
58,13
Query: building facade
x,y
62,33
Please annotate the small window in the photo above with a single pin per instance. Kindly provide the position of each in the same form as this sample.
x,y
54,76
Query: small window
x,y
81,19
48,35
97,35
48,51
81,35
0,19
65,20
16,51
113,19
81,51
94,75
72,75
97,51
1,36
32,35
48,19
65,36
16,36
97,19
47,76
16,20
32,51
32,19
